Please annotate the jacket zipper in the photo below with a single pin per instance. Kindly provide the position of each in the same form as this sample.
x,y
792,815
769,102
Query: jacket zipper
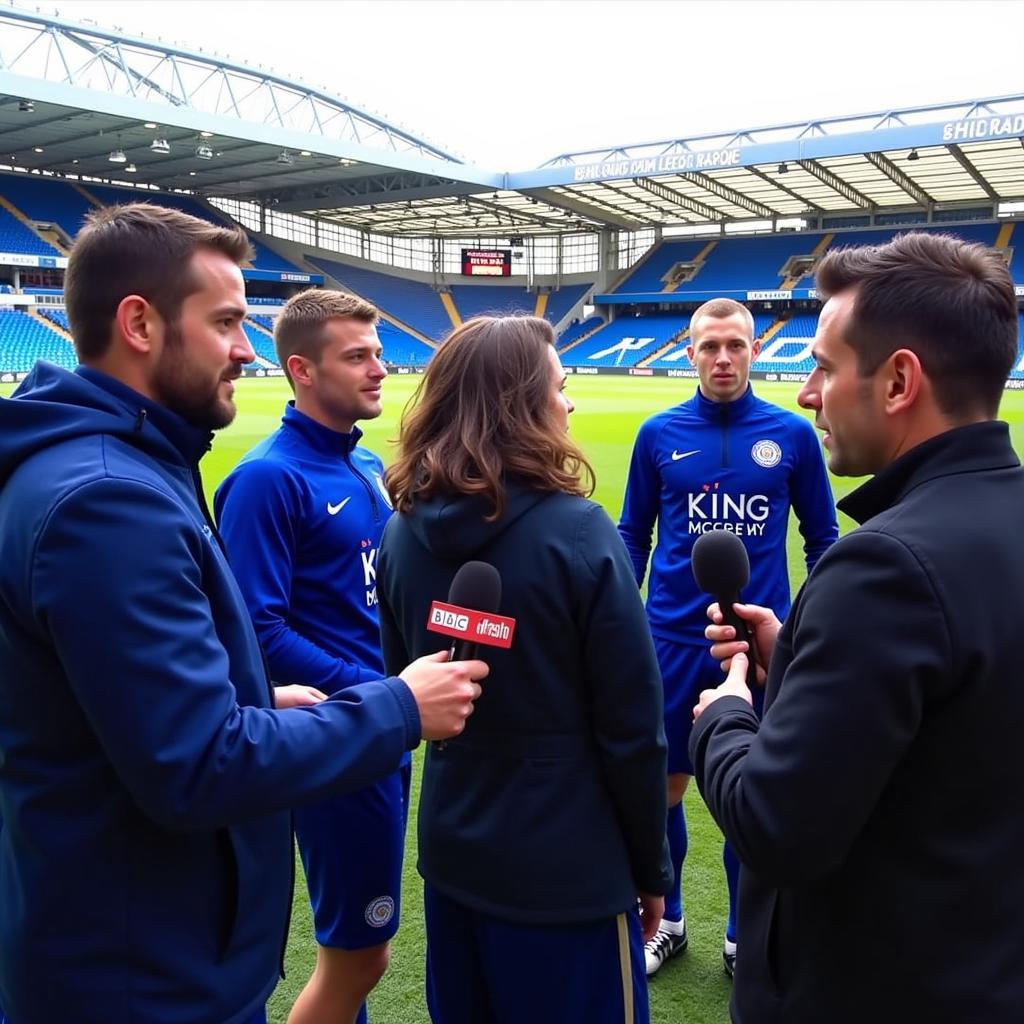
x,y
723,415
369,489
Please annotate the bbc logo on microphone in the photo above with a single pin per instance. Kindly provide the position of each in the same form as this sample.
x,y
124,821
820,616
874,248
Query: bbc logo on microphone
x,y
467,624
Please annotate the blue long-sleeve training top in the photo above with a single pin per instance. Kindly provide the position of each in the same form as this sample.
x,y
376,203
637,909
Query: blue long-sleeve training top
x,y
302,515
737,466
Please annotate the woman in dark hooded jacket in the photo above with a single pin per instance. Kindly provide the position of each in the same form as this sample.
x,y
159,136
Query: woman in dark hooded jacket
x,y
542,826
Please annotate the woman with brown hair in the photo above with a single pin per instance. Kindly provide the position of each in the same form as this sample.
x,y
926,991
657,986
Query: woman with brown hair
x,y
541,827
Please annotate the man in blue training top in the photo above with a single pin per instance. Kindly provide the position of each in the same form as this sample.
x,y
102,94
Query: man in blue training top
x,y
724,460
302,515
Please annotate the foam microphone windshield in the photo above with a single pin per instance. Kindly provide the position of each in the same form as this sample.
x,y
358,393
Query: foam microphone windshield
x,y
721,568
477,585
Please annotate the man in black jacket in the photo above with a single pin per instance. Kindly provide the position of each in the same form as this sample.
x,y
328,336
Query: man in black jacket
x,y
875,808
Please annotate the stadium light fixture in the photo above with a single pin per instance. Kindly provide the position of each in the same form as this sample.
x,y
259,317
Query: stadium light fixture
x,y
913,155
783,168
26,106
131,169
284,157
149,124
305,152
37,149
206,135
160,146
203,151
117,156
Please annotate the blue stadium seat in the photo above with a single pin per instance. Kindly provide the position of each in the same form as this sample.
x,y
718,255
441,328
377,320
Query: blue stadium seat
x,y
574,331
16,238
47,200
265,259
562,300
23,340
411,302
400,347
647,275
497,300
626,341
261,344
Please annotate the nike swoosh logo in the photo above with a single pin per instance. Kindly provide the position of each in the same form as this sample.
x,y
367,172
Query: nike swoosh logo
x,y
333,510
676,456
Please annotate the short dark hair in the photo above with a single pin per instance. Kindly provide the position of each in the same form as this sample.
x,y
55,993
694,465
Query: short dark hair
x,y
137,249
300,327
482,415
949,301
719,309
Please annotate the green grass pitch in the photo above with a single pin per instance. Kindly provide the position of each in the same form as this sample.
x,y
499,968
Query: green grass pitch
x,y
693,987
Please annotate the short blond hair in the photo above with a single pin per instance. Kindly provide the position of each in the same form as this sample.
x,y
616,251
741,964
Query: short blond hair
x,y
718,309
300,327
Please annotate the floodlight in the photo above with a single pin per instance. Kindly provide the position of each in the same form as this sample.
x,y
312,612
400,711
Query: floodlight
x,y
284,157
913,155
117,156
783,168
203,151
160,146
26,106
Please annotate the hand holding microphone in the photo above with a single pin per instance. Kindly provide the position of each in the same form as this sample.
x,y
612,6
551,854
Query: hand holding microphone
x,y
761,622
444,692
721,568
445,684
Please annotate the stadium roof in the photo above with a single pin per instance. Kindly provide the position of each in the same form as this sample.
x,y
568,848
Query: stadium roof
x,y
72,95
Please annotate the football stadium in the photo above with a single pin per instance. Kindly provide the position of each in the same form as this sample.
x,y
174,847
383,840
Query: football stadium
x,y
614,248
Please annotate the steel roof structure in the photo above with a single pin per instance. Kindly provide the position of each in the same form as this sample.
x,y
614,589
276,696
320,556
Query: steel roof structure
x,y
72,95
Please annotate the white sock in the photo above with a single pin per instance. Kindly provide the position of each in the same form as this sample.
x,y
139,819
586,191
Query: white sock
x,y
673,927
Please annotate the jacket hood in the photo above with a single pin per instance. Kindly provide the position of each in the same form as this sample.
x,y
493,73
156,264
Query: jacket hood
x,y
52,405
454,527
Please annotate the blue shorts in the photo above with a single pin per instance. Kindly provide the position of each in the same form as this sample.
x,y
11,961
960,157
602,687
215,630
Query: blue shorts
x,y
352,848
686,669
485,970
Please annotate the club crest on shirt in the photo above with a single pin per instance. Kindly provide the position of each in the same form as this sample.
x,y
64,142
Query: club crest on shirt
x,y
379,911
766,453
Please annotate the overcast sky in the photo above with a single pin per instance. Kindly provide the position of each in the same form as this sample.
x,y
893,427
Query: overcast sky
x,y
508,85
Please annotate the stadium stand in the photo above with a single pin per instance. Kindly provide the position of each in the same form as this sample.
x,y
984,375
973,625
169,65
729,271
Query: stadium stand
x,y
262,345
109,195
477,300
788,351
562,300
410,302
1018,368
755,263
647,275
23,340
400,347
56,316
46,200
626,341
16,238
266,322
577,330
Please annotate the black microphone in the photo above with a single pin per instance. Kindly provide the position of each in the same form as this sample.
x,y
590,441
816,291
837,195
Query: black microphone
x,y
477,585
722,569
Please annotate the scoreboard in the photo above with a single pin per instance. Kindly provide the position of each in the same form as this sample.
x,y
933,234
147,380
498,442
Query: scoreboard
x,y
487,262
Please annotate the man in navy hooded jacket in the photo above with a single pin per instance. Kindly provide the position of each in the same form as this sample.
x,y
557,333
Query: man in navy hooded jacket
x,y
145,780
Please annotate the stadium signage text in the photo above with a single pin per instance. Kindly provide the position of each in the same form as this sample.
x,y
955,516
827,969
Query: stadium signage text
x,y
1018,289
18,259
780,293
664,164
982,128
